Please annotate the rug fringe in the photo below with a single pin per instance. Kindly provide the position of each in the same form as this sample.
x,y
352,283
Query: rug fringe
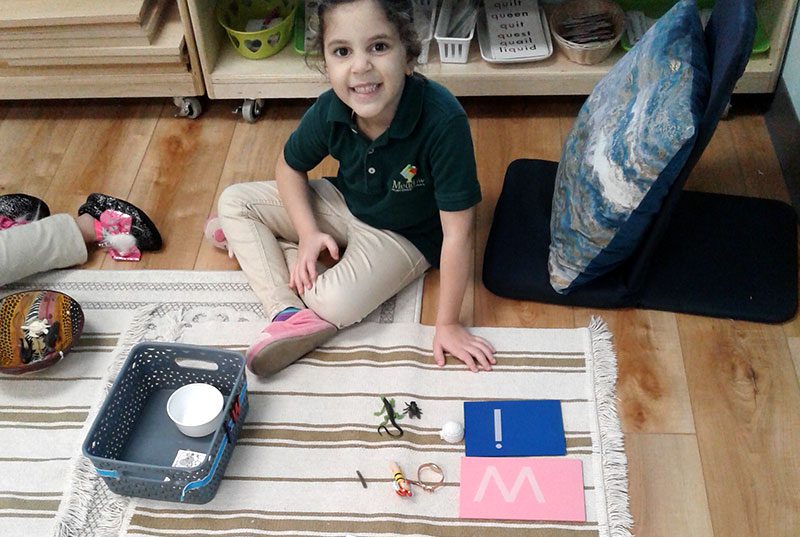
x,y
612,441
84,483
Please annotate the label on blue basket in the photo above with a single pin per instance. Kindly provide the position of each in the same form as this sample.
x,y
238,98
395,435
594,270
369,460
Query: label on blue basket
x,y
188,459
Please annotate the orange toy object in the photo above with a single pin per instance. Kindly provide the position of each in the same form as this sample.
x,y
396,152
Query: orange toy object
x,y
37,328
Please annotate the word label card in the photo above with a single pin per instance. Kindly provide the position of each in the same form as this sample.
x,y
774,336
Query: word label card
x,y
515,29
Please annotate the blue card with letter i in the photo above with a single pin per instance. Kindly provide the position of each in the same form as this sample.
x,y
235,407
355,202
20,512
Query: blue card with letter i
x,y
514,428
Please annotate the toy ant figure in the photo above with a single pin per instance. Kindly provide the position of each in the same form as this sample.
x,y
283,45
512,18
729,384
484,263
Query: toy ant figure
x,y
412,410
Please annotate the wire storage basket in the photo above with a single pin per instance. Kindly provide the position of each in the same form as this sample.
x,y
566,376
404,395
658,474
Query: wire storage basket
x,y
586,53
134,445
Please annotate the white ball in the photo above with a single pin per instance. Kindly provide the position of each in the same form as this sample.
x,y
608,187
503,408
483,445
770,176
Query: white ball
x,y
452,432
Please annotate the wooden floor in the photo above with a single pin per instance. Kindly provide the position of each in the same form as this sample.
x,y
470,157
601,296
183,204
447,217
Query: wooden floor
x,y
710,408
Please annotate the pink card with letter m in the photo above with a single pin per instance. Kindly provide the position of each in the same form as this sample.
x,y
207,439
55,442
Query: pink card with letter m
x,y
522,488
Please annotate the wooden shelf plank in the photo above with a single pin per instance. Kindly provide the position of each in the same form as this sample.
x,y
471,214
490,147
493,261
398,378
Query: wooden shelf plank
x,y
80,86
96,70
73,42
25,13
75,31
135,33
286,75
168,43
179,60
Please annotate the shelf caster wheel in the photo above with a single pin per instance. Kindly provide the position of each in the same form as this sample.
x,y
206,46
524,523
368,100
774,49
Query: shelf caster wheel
x,y
188,107
252,109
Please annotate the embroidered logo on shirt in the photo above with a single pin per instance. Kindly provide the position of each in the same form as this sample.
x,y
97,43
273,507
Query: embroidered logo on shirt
x,y
409,173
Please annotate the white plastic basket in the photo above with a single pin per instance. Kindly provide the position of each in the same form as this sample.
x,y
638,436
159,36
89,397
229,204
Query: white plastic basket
x,y
451,49
425,28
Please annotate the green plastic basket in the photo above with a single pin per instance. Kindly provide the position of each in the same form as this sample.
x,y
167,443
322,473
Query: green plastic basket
x,y
233,15
299,41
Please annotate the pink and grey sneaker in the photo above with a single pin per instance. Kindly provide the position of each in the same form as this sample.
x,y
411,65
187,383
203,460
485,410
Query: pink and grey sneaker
x,y
284,342
214,234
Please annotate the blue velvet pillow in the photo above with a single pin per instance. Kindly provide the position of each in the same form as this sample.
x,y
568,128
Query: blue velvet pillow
x,y
626,148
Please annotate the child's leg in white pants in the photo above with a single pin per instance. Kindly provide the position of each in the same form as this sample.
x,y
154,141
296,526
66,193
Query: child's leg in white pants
x,y
375,265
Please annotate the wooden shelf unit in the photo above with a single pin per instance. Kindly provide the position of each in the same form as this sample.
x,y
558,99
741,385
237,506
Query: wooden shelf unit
x,y
285,75
99,80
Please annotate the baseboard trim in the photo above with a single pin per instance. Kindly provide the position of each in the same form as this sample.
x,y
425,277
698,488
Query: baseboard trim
x,y
784,130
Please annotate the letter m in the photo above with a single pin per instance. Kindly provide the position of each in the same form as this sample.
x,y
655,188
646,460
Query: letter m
x,y
526,474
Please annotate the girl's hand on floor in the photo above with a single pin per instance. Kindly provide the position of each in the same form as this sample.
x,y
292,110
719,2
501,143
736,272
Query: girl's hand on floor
x,y
454,339
304,273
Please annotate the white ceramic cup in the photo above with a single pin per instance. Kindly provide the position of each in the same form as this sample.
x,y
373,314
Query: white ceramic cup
x,y
196,409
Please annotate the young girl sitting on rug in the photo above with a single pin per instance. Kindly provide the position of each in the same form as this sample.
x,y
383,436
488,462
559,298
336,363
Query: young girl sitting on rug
x,y
32,241
403,200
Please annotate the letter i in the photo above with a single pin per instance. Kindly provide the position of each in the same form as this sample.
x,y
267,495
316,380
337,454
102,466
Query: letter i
x,y
498,428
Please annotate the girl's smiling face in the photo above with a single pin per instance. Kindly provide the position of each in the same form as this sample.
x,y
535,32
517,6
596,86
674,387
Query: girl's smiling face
x,y
366,63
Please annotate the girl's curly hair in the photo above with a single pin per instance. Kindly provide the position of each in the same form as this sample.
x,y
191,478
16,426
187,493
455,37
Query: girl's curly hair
x,y
399,13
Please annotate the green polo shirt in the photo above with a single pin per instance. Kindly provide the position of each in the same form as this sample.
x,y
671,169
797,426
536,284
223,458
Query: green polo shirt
x,y
422,164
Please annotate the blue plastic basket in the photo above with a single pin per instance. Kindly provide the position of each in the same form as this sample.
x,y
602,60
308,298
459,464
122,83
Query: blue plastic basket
x,y
133,443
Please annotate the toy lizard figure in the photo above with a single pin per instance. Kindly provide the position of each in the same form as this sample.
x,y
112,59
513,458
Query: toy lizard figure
x,y
391,415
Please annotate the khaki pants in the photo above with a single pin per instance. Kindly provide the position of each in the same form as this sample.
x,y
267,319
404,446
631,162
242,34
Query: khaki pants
x,y
375,265
50,243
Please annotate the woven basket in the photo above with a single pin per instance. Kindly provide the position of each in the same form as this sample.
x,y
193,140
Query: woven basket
x,y
590,53
234,14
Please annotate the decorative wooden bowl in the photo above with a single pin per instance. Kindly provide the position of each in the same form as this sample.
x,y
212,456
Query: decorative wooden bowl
x,y
37,328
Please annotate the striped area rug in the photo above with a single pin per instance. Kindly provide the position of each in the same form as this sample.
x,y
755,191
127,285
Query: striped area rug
x,y
43,416
313,426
